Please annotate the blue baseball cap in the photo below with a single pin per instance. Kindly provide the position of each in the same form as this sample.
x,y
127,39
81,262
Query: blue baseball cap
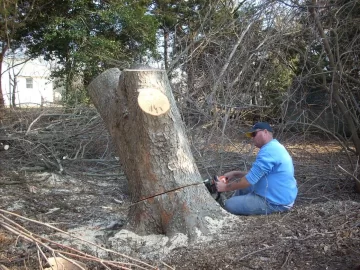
x,y
259,125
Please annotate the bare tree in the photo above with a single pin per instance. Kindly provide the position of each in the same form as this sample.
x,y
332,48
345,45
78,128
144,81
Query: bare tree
x,y
289,61
13,78
13,15
341,95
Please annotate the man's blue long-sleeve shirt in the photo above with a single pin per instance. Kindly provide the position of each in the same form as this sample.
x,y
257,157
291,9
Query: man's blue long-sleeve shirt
x,y
272,174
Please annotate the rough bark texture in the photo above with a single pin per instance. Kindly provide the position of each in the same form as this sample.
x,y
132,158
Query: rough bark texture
x,y
155,155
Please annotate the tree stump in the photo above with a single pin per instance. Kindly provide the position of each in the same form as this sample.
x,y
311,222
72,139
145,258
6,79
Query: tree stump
x,y
165,185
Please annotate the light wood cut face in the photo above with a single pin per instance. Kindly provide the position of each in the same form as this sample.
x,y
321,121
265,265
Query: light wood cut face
x,y
153,101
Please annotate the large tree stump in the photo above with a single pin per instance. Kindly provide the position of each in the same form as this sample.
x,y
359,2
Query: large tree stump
x,y
165,185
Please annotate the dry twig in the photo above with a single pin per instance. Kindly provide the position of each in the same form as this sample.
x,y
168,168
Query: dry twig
x,y
45,245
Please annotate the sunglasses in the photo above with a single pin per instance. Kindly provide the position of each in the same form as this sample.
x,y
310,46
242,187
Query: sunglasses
x,y
253,134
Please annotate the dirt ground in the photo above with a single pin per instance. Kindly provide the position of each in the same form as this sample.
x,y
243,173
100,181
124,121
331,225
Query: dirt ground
x,y
77,197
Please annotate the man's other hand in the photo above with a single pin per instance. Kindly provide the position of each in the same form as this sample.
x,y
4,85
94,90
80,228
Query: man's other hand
x,y
221,186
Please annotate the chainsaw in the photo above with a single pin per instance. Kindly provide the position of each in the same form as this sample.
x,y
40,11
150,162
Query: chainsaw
x,y
211,185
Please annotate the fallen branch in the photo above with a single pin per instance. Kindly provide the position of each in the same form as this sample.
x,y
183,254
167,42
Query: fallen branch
x,y
64,250
350,174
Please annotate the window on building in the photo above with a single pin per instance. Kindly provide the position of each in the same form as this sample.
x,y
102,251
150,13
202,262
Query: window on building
x,y
29,82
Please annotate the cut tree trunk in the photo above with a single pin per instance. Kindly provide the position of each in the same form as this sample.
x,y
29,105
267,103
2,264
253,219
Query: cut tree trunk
x,y
165,185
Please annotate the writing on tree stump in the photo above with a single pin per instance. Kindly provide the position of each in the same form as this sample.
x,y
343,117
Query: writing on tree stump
x,y
153,101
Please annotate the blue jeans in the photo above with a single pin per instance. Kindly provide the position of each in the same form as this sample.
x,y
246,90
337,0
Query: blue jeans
x,y
246,202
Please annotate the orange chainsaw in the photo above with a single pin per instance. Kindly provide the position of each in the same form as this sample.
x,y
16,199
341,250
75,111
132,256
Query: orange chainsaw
x,y
211,185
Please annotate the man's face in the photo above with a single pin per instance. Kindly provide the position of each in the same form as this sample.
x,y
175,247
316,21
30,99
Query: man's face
x,y
258,137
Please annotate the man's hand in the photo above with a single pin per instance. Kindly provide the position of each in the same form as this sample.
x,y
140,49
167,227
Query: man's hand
x,y
221,186
230,175
234,174
234,185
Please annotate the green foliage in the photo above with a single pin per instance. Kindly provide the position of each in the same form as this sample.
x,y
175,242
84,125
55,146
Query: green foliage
x,y
14,14
277,82
177,19
87,37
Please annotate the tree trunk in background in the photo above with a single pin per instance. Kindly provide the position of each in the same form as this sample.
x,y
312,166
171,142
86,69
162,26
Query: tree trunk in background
x,y
2,101
165,184
166,44
13,91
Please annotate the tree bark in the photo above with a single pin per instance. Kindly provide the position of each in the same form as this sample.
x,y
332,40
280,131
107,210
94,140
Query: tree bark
x,y
2,101
165,185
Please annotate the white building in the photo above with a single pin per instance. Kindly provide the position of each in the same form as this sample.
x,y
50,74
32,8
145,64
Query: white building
x,y
32,82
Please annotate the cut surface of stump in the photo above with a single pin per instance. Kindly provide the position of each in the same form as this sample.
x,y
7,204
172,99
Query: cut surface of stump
x,y
153,102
